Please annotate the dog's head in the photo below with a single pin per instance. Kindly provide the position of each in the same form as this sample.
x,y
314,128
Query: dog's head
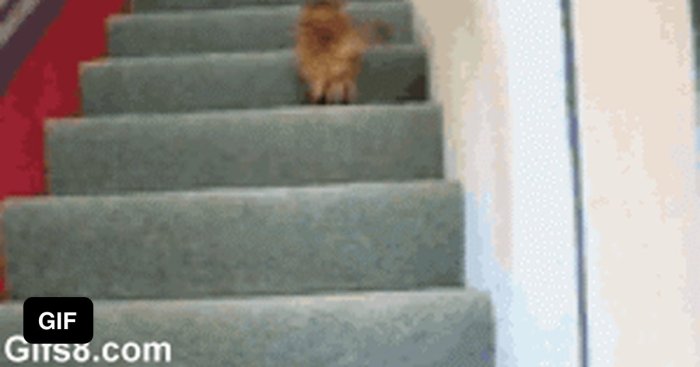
x,y
324,20
323,12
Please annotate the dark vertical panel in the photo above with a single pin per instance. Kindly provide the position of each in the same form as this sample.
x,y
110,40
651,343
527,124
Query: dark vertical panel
x,y
576,157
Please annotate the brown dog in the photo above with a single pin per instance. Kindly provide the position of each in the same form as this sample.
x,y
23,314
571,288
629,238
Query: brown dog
x,y
329,49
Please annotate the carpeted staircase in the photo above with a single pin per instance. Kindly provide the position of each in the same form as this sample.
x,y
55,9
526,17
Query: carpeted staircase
x,y
200,202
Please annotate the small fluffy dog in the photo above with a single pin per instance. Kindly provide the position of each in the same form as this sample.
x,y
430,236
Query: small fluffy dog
x,y
329,49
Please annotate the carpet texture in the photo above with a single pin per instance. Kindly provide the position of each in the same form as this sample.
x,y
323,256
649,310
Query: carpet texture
x,y
200,202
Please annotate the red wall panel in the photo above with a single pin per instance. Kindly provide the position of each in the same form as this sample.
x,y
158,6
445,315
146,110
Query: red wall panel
x,y
46,86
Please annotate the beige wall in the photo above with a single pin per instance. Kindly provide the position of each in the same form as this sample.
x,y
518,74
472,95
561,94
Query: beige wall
x,y
497,71
637,113
502,89
468,76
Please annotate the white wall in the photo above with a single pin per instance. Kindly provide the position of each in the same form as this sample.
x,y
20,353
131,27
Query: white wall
x,y
497,68
637,111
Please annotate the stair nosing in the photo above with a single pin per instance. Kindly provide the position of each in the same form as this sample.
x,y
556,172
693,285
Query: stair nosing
x,y
229,191
242,10
476,296
111,61
245,6
281,109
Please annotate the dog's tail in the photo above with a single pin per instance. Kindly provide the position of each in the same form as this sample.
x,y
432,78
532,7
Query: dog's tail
x,y
376,32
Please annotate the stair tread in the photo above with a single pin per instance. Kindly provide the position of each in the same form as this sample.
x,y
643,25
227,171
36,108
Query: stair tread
x,y
157,6
276,147
394,74
254,28
440,327
237,241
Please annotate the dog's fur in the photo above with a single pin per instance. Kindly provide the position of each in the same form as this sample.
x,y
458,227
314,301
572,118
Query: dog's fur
x,y
329,50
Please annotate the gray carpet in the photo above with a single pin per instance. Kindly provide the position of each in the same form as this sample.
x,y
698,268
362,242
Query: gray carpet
x,y
277,147
269,79
199,201
237,30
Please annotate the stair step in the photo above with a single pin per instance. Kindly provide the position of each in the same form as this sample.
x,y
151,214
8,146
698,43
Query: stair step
x,y
442,327
178,5
250,29
230,81
237,241
279,147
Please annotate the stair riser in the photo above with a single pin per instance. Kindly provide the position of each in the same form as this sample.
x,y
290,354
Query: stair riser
x,y
262,148
234,31
237,81
274,241
175,5
387,329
